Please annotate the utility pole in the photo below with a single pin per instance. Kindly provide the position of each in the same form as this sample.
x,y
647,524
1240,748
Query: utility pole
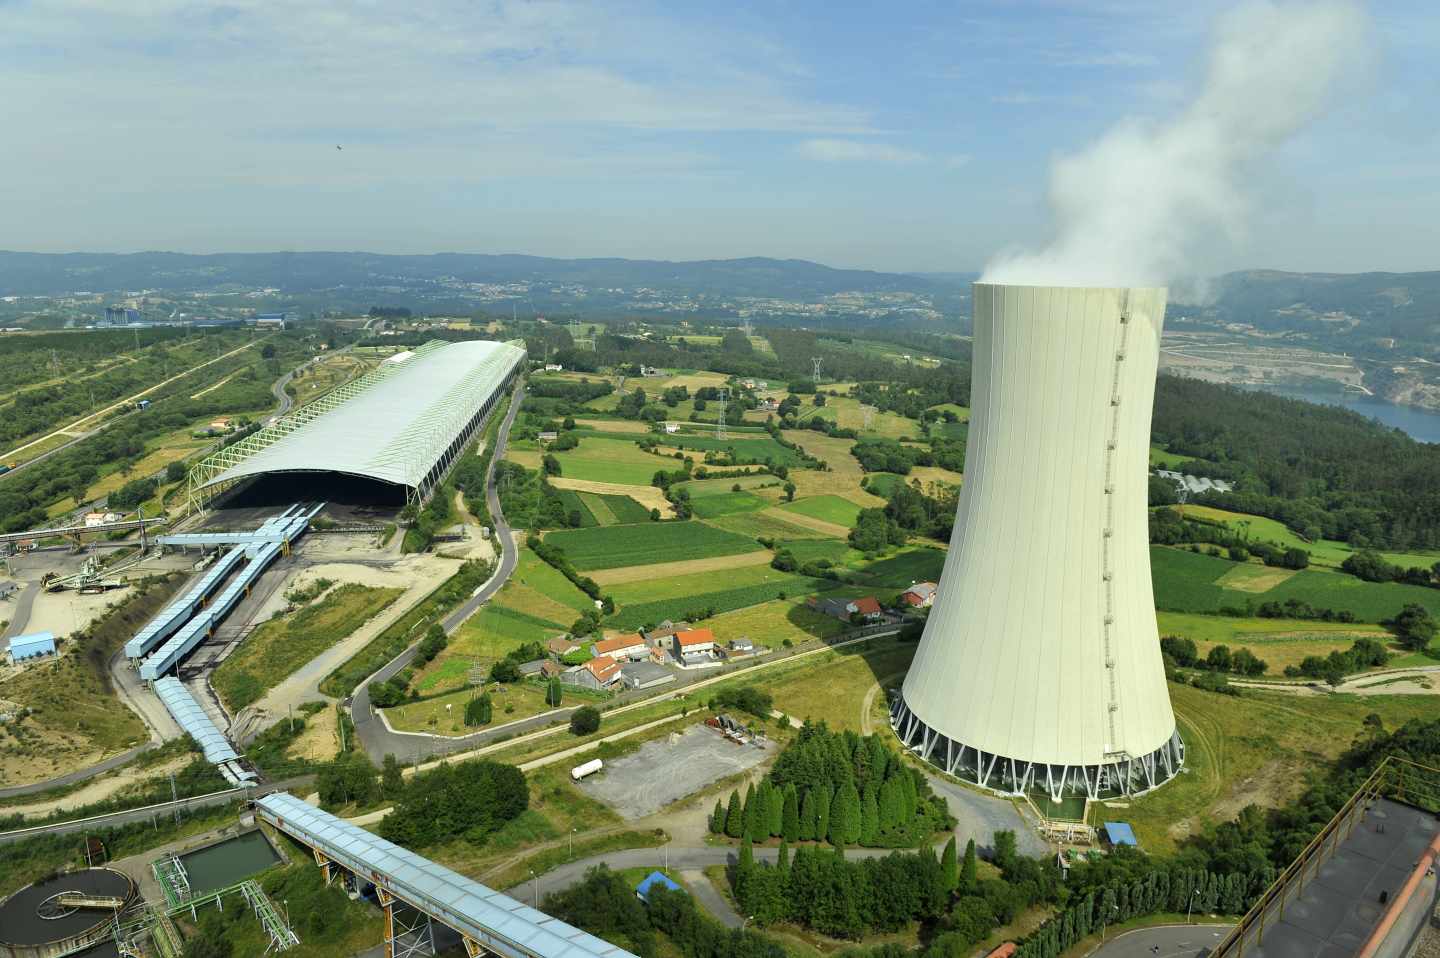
x,y
174,799
720,423
815,369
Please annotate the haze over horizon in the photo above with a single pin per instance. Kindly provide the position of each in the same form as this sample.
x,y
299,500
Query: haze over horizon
x,y
911,141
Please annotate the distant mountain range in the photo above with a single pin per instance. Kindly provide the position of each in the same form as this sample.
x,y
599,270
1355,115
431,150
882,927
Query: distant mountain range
x,y
48,274
1332,306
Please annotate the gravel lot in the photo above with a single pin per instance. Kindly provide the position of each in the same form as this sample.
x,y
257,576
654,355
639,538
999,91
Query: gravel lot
x,y
664,771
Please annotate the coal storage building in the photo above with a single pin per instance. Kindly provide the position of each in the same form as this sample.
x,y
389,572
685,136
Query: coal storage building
x,y
389,436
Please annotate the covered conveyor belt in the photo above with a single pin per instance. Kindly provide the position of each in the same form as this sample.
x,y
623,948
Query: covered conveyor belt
x,y
284,528
174,615
182,643
488,920
192,718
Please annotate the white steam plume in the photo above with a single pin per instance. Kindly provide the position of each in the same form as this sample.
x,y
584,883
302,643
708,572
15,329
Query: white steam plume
x,y
1141,204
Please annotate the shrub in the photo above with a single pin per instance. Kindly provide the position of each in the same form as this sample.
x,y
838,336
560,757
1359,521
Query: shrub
x,y
585,720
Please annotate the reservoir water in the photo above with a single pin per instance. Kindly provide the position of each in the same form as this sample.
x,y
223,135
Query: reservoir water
x,y
1421,424
229,862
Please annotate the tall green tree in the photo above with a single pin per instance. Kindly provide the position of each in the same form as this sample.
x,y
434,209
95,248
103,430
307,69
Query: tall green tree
x,y
790,815
969,875
949,867
392,783
554,692
776,817
845,816
822,813
869,817
808,811
717,818
735,816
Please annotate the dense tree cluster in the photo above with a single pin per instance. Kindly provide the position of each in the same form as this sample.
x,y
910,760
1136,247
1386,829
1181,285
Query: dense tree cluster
x,y
836,787
1364,654
471,798
1183,653
1325,472
603,904
875,531
1373,567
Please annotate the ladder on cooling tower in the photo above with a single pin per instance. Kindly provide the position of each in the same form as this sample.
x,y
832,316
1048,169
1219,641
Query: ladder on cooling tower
x,y
1107,567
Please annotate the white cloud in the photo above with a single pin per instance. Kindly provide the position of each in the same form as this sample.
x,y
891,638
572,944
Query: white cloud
x,y
858,151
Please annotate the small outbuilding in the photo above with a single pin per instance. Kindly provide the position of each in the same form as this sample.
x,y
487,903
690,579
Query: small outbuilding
x,y
651,881
1120,833
32,646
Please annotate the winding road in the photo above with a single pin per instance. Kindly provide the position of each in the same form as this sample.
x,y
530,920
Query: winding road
x,y
377,739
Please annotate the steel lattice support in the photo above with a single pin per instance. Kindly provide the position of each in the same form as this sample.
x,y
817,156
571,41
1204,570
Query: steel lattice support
x,y
408,931
281,935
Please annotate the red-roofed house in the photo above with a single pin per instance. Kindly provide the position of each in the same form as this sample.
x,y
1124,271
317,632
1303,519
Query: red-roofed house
x,y
600,672
921,595
868,606
694,645
630,646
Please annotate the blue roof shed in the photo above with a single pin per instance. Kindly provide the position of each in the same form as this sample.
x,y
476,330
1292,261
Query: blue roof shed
x,y
29,646
1120,833
642,890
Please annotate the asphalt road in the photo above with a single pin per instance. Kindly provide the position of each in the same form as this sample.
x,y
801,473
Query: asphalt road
x,y
1166,941
299,783
79,775
379,741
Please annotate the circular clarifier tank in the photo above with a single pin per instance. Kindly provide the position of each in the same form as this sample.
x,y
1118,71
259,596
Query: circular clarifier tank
x,y
58,915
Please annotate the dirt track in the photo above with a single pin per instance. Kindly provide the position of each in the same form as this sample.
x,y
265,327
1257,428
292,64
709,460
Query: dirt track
x,y
664,570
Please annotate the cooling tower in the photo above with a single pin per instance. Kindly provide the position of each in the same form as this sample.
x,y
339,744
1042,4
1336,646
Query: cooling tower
x,y
1040,666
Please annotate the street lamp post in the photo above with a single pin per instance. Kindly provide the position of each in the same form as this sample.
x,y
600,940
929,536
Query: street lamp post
x,y
748,920
1190,904
572,843
535,881
1106,923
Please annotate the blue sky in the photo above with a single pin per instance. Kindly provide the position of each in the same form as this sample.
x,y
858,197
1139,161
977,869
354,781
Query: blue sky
x,y
912,136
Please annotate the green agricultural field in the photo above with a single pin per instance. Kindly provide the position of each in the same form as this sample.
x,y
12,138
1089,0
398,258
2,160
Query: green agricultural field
x,y
701,488
808,550
648,544
914,564
511,703
533,575
1187,582
696,584
727,503
640,614
282,645
961,411
768,525
883,483
742,447
834,509
620,461
603,509
574,504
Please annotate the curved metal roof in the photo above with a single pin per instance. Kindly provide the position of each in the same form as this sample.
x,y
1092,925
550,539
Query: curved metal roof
x,y
395,430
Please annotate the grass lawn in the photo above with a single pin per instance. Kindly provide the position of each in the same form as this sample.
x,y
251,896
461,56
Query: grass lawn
x,y
280,646
1188,582
727,503
846,412
1255,748
834,509
1280,642
511,703
647,544
832,685
703,488
771,623
1167,460
548,582
610,460
835,550
1326,552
